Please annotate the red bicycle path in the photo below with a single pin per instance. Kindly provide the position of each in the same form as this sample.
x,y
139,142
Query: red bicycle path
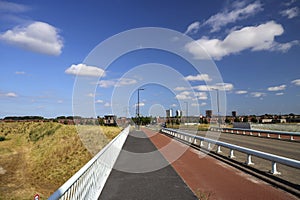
x,y
210,178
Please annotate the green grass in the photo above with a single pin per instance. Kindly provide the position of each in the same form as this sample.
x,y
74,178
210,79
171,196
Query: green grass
x,y
38,157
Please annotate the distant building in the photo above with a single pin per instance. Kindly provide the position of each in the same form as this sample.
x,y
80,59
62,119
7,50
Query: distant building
x,y
233,113
110,120
208,113
169,113
178,113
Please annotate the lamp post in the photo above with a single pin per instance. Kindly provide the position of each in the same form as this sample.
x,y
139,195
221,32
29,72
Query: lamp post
x,y
138,107
218,104
187,112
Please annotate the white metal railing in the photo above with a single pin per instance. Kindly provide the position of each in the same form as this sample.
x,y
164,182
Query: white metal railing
x,y
250,152
89,181
257,132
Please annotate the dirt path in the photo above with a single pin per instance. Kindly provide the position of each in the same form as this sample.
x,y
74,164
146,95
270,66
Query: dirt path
x,y
211,179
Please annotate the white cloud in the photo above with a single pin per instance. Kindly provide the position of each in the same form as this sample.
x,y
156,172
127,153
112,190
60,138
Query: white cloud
x,y
141,104
85,70
279,94
107,104
173,105
106,83
218,86
180,88
239,12
11,94
257,94
192,28
20,73
201,95
277,88
91,95
296,82
99,101
203,104
60,101
38,37
183,95
241,92
116,83
198,77
13,7
195,104
290,13
126,81
254,38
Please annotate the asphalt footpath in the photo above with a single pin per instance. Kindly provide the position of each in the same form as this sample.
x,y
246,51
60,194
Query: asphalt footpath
x,y
141,172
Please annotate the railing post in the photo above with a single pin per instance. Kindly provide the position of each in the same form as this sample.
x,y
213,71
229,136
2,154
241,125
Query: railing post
x,y
292,138
231,155
249,160
209,146
219,149
268,135
274,169
258,134
279,136
201,143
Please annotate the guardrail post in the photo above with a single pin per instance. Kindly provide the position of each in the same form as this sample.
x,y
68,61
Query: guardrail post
x,y
209,146
292,138
258,134
201,143
279,136
231,155
219,149
268,135
249,160
244,133
274,169
250,133
237,132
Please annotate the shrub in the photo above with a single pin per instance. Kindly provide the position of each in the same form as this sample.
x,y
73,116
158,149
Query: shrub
x,y
2,138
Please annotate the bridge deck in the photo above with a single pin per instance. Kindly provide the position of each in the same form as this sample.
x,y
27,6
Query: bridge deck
x,y
141,172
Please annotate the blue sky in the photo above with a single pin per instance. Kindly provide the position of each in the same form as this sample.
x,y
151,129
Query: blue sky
x,y
255,45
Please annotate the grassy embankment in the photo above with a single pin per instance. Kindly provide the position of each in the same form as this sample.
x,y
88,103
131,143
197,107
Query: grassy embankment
x,y
40,157
200,127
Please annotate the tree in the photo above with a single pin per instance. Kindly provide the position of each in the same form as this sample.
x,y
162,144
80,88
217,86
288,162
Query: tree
x,y
237,119
245,119
227,120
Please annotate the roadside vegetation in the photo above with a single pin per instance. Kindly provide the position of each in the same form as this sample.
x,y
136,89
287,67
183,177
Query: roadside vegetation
x,y
38,157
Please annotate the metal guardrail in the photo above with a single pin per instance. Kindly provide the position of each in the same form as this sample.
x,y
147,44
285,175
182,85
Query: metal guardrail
x,y
258,132
89,181
250,152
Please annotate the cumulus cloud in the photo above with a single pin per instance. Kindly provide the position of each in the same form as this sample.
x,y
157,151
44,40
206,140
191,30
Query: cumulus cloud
x,y
277,88
241,92
99,101
116,83
240,11
85,70
201,95
290,13
192,28
38,37
20,73
198,77
279,94
296,82
254,38
258,94
183,95
219,86
11,94
180,88
13,7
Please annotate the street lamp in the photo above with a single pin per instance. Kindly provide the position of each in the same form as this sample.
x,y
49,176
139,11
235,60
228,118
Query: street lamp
x,y
138,107
218,104
187,112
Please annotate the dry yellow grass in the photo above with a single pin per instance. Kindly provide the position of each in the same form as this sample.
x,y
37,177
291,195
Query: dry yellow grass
x,y
39,157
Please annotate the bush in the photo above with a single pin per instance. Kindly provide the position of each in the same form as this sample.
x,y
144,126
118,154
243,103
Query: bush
x,y
2,138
